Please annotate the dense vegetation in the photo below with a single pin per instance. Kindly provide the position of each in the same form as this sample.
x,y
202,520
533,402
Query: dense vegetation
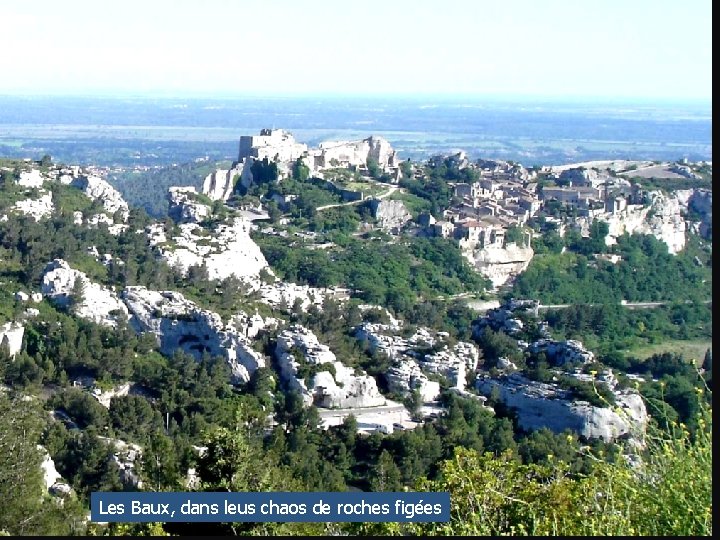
x,y
646,273
394,275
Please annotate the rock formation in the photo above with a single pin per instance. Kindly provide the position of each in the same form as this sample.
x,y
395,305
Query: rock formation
x,y
660,218
539,405
98,304
389,214
11,336
219,185
422,353
36,208
184,206
179,323
500,264
98,189
330,383
226,250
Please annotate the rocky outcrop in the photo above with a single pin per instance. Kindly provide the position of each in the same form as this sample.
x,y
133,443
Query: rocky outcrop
x,y
697,203
539,405
179,323
36,208
389,214
661,218
500,264
99,190
30,179
454,363
97,303
104,397
406,376
219,185
424,352
52,478
560,353
581,176
184,206
506,318
311,368
226,250
127,457
11,336
287,296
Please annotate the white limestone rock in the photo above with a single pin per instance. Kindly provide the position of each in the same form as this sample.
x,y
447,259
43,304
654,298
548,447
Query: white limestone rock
x,y
184,206
98,304
541,405
284,295
390,214
105,396
11,336
219,185
227,250
31,179
500,264
98,189
179,323
454,363
560,353
127,457
50,473
661,218
405,376
343,389
36,208
421,353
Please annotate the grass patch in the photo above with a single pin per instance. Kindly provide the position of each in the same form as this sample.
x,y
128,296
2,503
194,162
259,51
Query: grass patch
x,y
688,349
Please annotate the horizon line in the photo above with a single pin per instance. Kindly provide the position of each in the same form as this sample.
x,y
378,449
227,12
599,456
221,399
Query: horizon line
x,y
416,96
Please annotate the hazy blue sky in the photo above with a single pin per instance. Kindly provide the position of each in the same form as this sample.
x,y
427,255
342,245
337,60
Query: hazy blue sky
x,y
654,49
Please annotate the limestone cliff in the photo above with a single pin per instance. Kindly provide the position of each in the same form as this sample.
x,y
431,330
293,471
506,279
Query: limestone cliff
x,y
99,190
219,184
179,323
661,218
500,264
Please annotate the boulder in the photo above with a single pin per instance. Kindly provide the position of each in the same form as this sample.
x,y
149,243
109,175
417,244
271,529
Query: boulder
x,y
389,214
11,335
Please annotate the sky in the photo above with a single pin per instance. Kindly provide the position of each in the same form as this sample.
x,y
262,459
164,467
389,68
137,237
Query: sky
x,y
614,49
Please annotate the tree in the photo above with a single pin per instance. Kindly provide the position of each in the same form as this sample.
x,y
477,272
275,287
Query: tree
x,y
301,172
386,475
26,508
373,167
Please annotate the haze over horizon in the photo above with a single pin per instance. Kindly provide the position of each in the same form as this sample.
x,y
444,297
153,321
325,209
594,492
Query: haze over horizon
x,y
519,49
